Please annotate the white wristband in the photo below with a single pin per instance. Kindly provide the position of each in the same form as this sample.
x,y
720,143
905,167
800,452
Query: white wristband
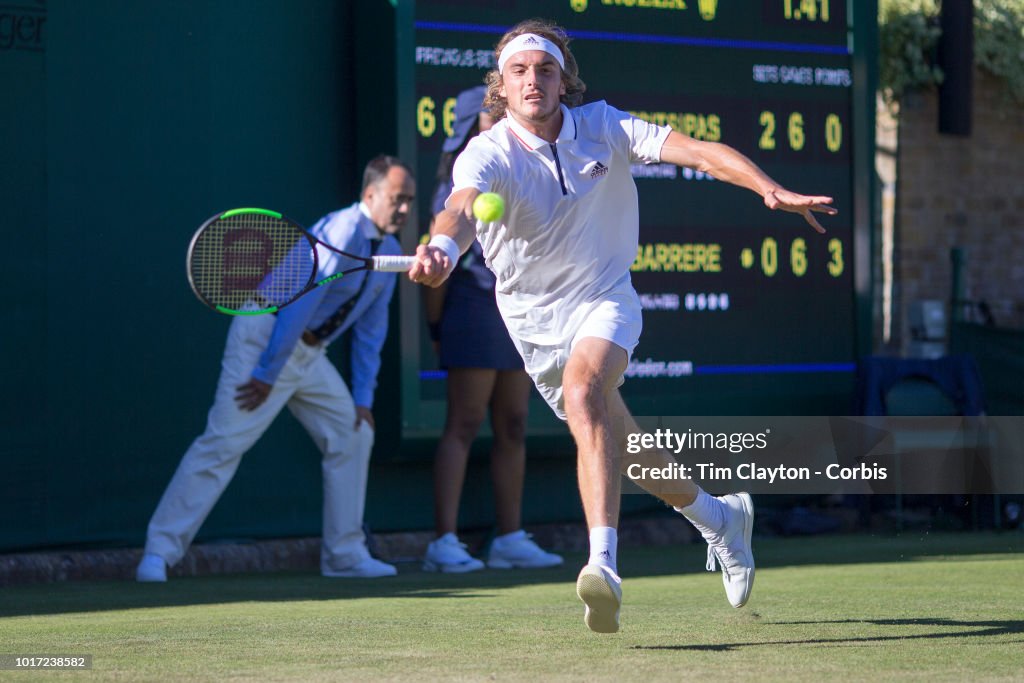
x,y
448,246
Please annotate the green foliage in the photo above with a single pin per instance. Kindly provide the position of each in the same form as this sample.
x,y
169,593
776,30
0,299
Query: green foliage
x,y
999,42
909,33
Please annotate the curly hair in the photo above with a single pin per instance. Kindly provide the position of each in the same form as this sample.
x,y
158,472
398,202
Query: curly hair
x,y
574,87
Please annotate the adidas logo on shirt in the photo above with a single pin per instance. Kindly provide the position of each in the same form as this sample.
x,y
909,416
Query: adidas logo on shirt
x,y
598,170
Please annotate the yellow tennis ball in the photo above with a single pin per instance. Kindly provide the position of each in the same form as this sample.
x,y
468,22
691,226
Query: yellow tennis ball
x,y
489,207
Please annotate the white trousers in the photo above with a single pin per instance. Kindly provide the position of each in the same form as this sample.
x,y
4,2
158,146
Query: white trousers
x,y
317,396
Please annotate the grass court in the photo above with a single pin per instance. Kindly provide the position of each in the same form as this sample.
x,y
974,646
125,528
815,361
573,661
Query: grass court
x,y
921,607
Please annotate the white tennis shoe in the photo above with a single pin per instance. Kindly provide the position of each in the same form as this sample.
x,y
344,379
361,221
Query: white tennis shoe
x,y
731,548
600,589
367,568
518,551
151,569
448,555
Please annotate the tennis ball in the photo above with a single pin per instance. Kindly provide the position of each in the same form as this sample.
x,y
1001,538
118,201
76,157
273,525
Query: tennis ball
x,y
489,207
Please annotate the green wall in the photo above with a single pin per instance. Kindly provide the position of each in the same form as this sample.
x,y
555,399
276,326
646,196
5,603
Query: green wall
x,y
124,125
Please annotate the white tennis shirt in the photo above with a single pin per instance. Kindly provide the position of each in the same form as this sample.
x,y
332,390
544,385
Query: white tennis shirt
x,y
571,225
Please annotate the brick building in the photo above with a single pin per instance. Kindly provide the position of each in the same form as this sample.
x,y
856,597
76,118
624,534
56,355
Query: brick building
x,y
943,191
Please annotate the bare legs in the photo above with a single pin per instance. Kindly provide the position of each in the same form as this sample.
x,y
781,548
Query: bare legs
x,y
599,421
471,392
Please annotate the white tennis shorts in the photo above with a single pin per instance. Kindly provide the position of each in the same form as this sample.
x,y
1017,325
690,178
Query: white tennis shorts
x,y
615,317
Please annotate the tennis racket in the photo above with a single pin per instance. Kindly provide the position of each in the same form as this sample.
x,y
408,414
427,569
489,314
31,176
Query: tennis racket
x,y
255,261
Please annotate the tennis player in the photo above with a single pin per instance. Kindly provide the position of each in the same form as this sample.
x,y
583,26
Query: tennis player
x,y
561,256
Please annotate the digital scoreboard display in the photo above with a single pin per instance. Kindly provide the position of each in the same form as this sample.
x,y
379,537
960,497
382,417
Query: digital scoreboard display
x,y
746,310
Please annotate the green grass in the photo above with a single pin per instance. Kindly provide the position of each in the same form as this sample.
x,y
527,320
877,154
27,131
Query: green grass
x,y
927,608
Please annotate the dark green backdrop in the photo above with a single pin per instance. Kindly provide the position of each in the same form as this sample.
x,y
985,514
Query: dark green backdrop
x,y
124,125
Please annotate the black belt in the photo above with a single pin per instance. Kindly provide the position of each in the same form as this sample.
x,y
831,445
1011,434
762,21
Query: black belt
x,y
308,338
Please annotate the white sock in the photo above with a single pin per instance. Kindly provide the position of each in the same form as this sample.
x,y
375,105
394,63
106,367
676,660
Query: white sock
x,y
604,541
706,511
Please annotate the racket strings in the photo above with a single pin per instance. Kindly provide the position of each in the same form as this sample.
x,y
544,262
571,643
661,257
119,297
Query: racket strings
x,y
251,261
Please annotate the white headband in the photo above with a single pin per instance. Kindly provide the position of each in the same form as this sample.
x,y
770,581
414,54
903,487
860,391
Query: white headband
x,y
529,41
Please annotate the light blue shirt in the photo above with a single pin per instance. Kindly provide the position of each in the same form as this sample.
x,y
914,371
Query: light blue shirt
x,y
349,230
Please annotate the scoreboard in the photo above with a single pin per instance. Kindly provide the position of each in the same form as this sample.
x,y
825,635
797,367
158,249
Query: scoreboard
x,y
746,310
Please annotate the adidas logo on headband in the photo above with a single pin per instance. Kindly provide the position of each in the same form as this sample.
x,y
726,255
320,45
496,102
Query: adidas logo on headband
x,y
529,41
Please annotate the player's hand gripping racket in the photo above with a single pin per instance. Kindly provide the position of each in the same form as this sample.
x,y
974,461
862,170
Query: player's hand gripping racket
x,y
253,261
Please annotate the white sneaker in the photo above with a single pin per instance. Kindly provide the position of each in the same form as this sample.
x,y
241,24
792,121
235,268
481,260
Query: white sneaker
x,y
368,568
518,551
151,569
447,555
731,548
600,589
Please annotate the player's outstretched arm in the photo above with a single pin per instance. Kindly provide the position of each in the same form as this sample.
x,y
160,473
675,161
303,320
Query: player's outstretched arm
x,y
450,236
725,163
